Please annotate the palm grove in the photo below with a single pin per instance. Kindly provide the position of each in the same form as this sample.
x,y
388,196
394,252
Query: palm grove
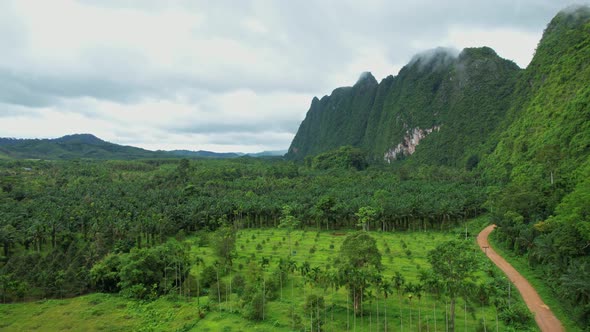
x,y
74,227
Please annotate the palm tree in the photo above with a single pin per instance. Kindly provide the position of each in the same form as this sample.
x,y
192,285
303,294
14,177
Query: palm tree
x,y
292,267
264,262
378,281
418,289
315,276
198,262
282,265
398,283
304,271
576,281
289,222
218,290
433,286
409,290
334,282
344,278
385,288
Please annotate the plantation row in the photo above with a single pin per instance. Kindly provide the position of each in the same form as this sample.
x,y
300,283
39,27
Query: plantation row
x,y
59,219
289,280
314,287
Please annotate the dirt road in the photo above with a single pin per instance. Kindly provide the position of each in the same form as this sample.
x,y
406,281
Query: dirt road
x,y
543,316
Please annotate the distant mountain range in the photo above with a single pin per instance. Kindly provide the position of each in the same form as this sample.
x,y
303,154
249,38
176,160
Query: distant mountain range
x,y
87,146
210,154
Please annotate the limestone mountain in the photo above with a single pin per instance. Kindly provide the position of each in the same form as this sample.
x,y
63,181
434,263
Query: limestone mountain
x,y
543,146
445,108
447,102
336,120
539,162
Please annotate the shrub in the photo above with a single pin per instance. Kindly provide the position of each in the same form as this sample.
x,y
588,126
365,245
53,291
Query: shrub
x,y
254,309
238,284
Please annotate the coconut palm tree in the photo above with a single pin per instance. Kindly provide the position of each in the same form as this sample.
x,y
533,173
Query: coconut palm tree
x,y
418,290
198,262
432,285
386,290
398,283
409,291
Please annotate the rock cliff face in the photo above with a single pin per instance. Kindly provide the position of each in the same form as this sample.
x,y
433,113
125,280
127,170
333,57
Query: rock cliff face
x,y
408,146
440,108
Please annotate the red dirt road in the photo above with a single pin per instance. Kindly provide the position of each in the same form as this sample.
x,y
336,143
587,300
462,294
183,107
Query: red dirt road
x,y
543,316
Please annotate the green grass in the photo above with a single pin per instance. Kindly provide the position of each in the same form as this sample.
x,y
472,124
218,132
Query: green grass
x,y
535,278
106,312
97,312
274,244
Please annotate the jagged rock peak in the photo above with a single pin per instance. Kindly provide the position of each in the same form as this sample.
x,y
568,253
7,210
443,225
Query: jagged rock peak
x,y
366,78
485,52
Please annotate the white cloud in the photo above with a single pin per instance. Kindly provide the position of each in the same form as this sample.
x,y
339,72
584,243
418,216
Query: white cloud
x,y
254,25
509,43
223,75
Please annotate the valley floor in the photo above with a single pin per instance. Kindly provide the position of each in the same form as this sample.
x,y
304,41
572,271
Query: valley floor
x,y
404,252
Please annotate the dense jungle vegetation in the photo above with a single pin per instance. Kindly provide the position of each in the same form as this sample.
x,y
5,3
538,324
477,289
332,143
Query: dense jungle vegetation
x,y
74,227
75,213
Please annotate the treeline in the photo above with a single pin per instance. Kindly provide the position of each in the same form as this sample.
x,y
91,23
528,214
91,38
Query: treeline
x,y
58,219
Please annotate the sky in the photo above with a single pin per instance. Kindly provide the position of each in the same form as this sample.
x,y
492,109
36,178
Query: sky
x,y
221,75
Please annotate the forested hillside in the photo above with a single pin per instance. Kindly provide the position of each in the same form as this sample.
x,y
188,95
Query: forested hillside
x,y
540,166
452,102
87,146
71,147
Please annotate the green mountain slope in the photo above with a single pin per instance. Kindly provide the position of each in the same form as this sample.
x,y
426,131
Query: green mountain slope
x,y
336,120
71,147
545,139
87,146
455,100
201,154
540,162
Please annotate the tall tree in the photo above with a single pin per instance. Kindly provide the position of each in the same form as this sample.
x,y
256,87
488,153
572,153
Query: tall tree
x,y
289,222
366,215
360,263
454,263
224,242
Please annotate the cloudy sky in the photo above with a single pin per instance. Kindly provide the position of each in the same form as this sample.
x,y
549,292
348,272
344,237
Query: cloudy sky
x,y
223,75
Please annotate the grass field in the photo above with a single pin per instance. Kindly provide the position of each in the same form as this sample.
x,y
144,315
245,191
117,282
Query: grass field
x,y
403,252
